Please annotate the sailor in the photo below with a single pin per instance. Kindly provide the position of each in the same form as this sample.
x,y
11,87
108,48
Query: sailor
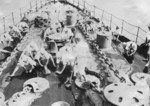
x,y
116,33
15,34
101,26
23,27
147,43
15,29
49,31
67,58
24,62
130,49
66,55
43,56
31,50
6,39
67,34
56,26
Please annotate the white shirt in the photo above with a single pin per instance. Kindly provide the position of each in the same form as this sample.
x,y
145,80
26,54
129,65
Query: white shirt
x,y
66,55
130,44
31,47
16,31
25,60
48,32
55,25
23,26
67,33
5,38
45,54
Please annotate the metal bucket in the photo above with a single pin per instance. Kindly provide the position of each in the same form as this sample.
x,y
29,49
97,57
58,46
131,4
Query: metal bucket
x,y
69,17
60,103
69,20
104,40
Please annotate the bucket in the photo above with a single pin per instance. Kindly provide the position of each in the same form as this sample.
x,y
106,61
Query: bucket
x,y
60,103
104,40
53,46
69,18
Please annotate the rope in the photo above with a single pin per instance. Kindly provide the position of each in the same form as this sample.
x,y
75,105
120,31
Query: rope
x,y
143,30
106,19
114,24
130,24
117,17
130,32
89,4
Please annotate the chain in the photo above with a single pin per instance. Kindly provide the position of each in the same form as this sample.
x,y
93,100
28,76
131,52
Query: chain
x,y
96,47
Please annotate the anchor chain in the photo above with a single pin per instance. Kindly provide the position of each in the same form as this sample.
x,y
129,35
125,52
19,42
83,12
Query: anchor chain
x,y
100,53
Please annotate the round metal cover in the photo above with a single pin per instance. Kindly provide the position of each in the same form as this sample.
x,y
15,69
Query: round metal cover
x,y
140,78
122,94
60,103
39,84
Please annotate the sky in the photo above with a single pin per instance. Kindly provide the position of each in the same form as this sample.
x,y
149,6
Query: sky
x,y
8,6
134,11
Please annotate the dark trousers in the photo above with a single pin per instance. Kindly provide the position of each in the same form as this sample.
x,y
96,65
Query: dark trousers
x,y
129,58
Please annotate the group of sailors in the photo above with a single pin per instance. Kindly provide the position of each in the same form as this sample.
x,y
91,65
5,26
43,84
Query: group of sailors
x,y
58,49
131,47
57,41
57,52
10,39
14,33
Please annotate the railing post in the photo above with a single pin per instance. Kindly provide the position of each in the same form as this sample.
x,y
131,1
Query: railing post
x,y
94,10
78,3
41,3
45,3
137,34
13,18
122,26
110,21
36,6
102,15
24,15
20,13
84,4
30,5
4,24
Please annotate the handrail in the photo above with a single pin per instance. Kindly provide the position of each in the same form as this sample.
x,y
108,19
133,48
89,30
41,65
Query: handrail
x,y
84,4
143,30
130,31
